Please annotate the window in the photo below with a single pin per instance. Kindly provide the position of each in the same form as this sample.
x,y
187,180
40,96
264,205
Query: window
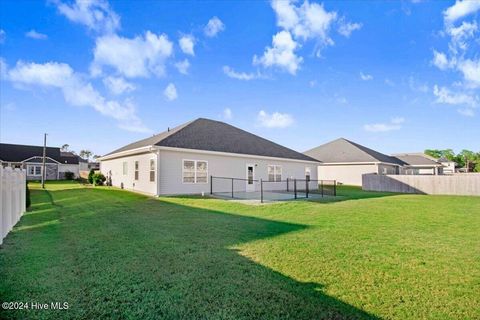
x,y
274,173
33,170
195,171
152,170
307,174
136,170
125,168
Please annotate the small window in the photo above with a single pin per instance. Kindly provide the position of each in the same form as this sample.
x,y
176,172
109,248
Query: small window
x,y
195,171
274,173
136,170
152,170
308,173
188,171
34,170
125,168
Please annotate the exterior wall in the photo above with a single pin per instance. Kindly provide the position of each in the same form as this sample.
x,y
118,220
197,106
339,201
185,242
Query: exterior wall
x,y
384,168
51,171
417,171
114,169
348,174
171,169
458,184
448,167
62,168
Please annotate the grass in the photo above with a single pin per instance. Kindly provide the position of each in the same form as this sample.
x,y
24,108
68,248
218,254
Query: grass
x,y
115,254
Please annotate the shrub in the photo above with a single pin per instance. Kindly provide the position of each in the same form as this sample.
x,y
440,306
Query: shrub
x,y
90,176
69,175
27,196
98,179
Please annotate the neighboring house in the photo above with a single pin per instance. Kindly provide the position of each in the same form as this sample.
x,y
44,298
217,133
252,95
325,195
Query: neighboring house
x,y
448,165
346,161
181,160
419,164
30,158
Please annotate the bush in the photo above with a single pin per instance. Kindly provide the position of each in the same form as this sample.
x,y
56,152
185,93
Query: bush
x,y
90,176
27,196
98,179
69,175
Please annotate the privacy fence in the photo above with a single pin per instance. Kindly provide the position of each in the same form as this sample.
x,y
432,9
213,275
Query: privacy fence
x,y
12,198
467,184
265,190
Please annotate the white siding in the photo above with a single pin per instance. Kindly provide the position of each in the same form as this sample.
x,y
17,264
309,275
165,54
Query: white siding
x,y
62,168
346,174
171,163
114,168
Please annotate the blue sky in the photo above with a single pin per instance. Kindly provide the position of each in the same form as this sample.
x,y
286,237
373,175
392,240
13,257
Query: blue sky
x,y
394,76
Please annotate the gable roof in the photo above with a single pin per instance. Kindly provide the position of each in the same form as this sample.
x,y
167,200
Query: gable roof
x,y
345,151
211,135
415,159
18,152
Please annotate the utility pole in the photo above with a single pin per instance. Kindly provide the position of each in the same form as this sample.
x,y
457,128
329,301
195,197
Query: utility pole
x,y
43,161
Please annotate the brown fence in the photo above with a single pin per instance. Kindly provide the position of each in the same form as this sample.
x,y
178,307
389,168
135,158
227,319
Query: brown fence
x,y
458,184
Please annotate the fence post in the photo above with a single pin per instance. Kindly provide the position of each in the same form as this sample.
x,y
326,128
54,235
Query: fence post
x,y
321,184
295,187
334,188
2,225
211,184
287,185
261,190
232,187
306,187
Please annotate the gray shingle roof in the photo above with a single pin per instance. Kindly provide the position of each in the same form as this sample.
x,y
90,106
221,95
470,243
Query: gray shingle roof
x,y
416,160
211,135
345,151
19,153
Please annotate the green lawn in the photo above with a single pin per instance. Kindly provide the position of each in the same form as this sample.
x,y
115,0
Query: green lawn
x,y
115,254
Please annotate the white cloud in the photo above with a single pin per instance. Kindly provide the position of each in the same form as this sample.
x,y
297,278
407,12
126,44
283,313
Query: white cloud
x,y
3,36
346,28
467,112
118,85
394,124
187,44
415,86
238,75
281,54
389,82
213,27
170,92
461,34
471,71
136,57
440,60
446,96
461,9
182,66
76,91
227,114
365,77
274,120
36,35
3,69
94,14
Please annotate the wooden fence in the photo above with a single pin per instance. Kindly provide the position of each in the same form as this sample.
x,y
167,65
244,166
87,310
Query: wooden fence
x,y
459,184
12,198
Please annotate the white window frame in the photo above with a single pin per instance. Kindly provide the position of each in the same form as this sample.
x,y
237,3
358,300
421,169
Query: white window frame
x,y
34,166
194,171
276,167
152,170
136,170
125,168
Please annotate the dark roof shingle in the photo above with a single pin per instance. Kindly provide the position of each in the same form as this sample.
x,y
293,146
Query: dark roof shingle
x,y
211,135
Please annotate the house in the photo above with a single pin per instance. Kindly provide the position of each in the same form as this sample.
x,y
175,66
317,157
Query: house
x,y
419,164
182,160
346,161
30,158
448,165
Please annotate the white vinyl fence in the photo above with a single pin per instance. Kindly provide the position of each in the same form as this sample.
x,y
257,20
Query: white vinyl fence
x,y
467,184
12,198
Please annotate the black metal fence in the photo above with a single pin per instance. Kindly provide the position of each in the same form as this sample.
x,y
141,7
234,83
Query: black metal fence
x,y
259,189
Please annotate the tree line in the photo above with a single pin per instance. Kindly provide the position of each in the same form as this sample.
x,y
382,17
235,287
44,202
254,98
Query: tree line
x,y
464,159
85,153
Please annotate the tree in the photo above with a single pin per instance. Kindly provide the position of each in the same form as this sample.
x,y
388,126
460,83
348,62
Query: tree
x,y
65,147
85,154
95,157
435,153
469,159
